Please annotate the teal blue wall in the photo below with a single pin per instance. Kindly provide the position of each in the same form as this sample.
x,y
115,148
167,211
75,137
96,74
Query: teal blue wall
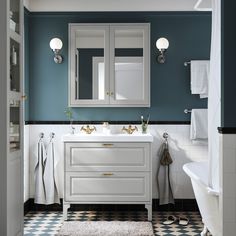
x,y
26,61
228,38
189,37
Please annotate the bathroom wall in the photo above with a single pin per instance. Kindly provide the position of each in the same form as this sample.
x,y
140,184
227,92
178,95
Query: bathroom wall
x,y
182,151
227,182
228,129
46,86
26,63
189,37
228,50
26,162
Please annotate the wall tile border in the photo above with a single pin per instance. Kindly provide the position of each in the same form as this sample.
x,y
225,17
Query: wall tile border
x,y
227,130
110,122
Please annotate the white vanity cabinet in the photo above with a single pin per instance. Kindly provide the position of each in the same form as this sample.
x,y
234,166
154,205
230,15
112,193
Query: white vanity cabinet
x,y
108,173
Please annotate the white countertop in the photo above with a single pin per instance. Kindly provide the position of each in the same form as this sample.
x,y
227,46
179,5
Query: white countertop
x,y
100,137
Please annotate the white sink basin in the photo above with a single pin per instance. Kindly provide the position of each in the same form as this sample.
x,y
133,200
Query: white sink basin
x,y
100,137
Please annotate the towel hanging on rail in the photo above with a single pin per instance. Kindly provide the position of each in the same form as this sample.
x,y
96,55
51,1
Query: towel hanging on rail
x,y
200,77
163,175
40,158
50,174
199,124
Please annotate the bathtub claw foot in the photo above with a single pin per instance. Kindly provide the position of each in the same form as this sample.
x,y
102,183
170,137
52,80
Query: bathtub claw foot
x,y
204,232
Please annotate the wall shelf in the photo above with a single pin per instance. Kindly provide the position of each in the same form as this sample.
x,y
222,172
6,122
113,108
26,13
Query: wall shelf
x,y
15,36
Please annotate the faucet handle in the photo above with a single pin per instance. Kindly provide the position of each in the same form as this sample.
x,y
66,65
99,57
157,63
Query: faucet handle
x,y
87,129
135,128
130,130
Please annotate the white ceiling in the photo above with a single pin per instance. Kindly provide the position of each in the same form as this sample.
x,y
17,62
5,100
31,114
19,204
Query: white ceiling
x,y
116,5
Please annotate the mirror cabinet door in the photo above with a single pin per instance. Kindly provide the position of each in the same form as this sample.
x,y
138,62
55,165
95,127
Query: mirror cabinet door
x,y
109,65
129,73
89,67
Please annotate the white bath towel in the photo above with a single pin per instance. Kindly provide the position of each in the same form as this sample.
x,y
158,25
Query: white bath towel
x,y
200,77
199,124
39,162
50,175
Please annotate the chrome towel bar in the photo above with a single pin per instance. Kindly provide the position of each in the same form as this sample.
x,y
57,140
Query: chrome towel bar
x,y
186,111
186,63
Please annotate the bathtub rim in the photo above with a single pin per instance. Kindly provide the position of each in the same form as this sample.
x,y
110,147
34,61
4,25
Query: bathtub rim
x,y
192,175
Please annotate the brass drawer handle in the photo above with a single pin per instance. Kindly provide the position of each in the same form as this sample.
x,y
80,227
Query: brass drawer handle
x,y
107,144
107,174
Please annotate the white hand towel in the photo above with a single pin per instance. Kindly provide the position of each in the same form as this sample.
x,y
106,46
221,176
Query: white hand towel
x,y
40,158
199,124
50,176
199,77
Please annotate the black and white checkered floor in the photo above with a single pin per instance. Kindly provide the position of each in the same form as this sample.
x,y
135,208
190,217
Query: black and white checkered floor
x,y
48,223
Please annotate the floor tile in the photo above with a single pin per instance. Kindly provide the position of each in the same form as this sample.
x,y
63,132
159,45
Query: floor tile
x,y
48,223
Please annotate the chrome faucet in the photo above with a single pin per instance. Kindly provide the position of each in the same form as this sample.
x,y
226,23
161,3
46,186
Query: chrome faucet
x,y
87,129
129,130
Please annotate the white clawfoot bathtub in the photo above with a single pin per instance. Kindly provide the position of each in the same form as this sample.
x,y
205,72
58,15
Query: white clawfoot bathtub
x,y
207,198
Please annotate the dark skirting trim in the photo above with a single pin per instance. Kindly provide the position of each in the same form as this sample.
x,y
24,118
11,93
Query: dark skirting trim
x,y
122,14
110,122
227,130
28,206
180,205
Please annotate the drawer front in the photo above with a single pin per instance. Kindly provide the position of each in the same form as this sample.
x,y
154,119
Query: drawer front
x,y
108,187
107,157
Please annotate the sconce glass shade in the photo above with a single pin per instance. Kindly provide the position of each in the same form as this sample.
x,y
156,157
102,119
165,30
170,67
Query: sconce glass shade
x,y
56,44
162,44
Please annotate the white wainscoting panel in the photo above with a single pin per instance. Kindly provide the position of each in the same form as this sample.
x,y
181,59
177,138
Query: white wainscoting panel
x,y
181,148
228,183
26,163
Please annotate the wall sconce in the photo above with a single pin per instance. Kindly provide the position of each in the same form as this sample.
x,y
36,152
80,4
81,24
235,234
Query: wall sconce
x,y
56,45
162,44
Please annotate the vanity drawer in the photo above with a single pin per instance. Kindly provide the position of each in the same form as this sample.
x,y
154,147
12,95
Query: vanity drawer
x,y
107,156
107,187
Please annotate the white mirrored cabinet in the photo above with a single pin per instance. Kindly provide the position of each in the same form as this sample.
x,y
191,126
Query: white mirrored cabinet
x,y
109,65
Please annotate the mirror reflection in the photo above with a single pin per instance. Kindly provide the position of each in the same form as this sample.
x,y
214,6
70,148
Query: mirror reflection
x,y
128,69
90,77
129,65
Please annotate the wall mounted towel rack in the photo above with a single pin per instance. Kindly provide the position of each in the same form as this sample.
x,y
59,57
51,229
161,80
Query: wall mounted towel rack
x,y
186,111
186,63
52,136
165,136
41,136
